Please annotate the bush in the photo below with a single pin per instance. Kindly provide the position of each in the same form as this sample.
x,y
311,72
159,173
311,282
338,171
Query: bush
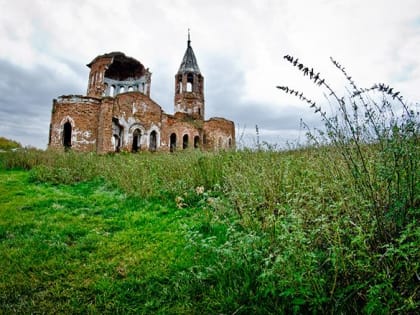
x,y
7,144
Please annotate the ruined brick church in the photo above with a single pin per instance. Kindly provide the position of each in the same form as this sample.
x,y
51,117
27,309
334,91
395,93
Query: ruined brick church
x,y
117,114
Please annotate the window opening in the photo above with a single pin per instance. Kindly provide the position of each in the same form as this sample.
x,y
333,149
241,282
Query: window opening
x,y
67,130
196,142
172,142
185,141
153,141
190,82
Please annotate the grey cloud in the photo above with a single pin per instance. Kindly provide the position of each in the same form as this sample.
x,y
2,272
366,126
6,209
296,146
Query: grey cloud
x,y
25,101
225,85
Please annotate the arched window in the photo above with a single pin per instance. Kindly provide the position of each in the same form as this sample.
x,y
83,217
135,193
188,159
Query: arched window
x,y
179,84
67,135
112,90
230,143
172,142
190,82
196,142
153,141
136,140
130,89
185,141
121,90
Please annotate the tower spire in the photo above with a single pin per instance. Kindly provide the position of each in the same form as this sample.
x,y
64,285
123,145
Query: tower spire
x,y
189,85
189,62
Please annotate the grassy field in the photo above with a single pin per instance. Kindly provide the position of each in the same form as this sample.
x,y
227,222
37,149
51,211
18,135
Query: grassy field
x,y
87,248
199,233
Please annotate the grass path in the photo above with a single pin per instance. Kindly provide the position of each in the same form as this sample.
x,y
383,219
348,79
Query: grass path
x,y
87,248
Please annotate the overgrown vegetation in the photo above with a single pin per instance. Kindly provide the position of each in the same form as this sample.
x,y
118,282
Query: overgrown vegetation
x,y
378,141
331,228
7,144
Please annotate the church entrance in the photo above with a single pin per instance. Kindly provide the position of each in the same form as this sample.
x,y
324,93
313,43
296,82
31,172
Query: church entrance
x,y
136,140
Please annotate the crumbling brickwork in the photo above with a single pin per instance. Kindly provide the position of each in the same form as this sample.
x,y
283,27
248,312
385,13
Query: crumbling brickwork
x,y
117,114
81,114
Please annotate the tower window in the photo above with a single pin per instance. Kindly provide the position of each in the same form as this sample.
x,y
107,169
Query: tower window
x,y
190,82
112,90
179,84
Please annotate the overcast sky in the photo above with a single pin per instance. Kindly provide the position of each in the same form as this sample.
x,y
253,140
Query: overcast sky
x,y
239,44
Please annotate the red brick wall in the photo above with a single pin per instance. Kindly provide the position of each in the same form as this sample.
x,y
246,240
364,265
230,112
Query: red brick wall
x,y
219,134
82,112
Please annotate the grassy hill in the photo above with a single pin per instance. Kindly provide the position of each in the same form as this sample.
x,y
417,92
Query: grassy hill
x,y
332,228
200,233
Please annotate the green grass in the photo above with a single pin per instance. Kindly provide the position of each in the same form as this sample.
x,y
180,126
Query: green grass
x,y
88,248
331,228
272,232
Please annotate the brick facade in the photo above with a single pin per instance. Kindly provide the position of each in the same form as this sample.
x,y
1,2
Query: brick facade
x,y
117,114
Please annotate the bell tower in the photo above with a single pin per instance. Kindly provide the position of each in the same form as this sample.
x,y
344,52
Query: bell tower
x,y
189,86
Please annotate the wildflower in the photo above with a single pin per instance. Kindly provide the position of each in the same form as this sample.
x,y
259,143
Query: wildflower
x,y
180,202
199,190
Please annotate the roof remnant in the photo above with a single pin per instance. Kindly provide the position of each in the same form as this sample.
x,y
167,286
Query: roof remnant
x,y
189,62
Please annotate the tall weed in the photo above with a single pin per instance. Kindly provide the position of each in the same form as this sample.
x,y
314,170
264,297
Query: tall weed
x,y
378,141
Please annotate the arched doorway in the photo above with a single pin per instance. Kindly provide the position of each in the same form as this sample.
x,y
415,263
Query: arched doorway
x,y
67,130
117,135
153,141
136,140
185,142
196,142
172,142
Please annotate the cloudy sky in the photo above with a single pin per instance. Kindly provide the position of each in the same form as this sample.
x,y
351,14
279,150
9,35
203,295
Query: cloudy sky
x,y
239,44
